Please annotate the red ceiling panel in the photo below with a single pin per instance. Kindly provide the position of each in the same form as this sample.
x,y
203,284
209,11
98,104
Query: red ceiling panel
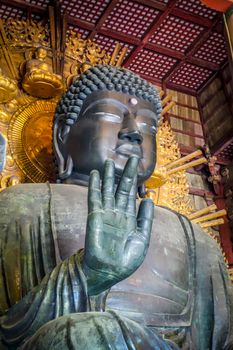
x,y
130,18
152,64
213,50
227,153
108,44
9,12
176,34
41,3
195,7
36,17
190,76
86,10
160,34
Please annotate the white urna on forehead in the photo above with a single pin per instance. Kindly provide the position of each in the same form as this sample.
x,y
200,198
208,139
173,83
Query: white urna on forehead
x,y
133,101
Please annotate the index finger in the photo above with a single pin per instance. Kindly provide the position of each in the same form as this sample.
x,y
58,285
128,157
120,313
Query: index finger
x,y
126,182
94,194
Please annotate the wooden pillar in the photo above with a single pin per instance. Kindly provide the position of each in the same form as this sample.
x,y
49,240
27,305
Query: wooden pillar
x,y
217,181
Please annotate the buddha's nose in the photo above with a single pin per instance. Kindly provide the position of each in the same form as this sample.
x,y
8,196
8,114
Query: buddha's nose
x,y
130,133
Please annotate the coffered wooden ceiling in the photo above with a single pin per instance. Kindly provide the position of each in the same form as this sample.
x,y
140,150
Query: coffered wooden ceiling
x,y
178,44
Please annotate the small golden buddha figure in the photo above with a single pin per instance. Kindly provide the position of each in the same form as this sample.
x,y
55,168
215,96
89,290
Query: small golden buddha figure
x,y
8,88
39,80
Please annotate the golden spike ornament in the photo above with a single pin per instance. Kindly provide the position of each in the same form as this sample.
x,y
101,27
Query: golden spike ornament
x,y
168,190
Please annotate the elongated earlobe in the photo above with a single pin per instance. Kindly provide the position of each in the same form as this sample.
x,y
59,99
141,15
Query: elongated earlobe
x,y
66,169
64,161
63,133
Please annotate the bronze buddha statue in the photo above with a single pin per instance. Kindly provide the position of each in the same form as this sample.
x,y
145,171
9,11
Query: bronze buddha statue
x,y
168,292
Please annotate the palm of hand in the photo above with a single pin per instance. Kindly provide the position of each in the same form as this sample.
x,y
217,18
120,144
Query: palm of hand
x,y
116,240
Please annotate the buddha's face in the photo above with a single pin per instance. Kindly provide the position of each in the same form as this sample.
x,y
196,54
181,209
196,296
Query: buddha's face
x,y
113,125
41,53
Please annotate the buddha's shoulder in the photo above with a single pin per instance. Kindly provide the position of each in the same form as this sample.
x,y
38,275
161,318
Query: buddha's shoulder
x,y
29,200
34,190
178,229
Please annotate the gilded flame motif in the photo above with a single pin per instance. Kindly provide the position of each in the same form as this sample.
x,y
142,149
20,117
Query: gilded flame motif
x,y
23,33
85,52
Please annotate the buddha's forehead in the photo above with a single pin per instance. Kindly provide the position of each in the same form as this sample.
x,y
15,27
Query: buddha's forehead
x,y
106,98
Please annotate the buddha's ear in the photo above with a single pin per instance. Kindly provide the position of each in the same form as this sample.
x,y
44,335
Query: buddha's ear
x,y
60,136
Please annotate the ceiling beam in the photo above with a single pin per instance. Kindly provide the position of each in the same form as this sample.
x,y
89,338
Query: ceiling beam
x,y
204,64
150,32
181,88
180,56
203,36
204,22
153,80
103,17
27,7
119,36
80,23
153,3
165,51
196,45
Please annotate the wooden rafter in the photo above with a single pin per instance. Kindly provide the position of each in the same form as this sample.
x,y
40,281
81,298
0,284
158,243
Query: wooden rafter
x,y
204,22
189,56
153,3
24,6
165,11
103,17
150,32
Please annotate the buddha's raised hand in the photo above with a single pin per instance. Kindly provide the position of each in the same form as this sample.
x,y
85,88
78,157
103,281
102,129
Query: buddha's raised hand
x,y
116,239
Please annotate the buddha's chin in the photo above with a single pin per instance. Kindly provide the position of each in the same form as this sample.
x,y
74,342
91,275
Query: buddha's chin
x,y
143,172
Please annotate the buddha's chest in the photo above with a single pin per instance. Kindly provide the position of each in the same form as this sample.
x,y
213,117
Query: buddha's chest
x,y
160,291
162,288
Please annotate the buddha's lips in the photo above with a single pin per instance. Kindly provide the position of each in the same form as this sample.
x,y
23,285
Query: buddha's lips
x,y
127,149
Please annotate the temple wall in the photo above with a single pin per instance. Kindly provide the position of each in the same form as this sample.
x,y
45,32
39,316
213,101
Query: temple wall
x,y
185,121
216,106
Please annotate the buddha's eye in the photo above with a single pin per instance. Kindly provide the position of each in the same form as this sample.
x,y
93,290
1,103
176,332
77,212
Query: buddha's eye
x,y
147,128
107,116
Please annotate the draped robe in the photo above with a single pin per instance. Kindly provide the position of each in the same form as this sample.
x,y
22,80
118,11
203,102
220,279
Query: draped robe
x,y
181,290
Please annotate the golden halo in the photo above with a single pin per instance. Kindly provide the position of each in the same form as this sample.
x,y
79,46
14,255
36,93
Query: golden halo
x,y
30,140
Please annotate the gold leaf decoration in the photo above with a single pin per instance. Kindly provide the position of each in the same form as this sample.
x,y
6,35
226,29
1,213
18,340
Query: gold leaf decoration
x,y
86,53
8,88
30,140
174,189
26,33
